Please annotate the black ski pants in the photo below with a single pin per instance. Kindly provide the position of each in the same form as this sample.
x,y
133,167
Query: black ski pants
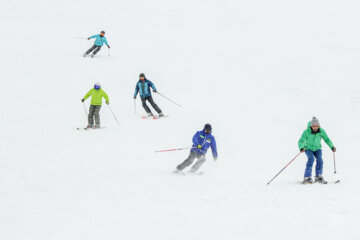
x,y
94,113
190,160
94,47
153,104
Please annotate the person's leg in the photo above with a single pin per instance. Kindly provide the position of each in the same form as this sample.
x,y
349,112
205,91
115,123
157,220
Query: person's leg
x,y
197,165
319,162
97,115
153,104
309,164
91,49
147,109
187,161
97,49
91,115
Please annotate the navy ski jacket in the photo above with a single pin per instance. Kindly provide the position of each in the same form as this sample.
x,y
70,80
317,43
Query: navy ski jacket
x,y
143,88
205,140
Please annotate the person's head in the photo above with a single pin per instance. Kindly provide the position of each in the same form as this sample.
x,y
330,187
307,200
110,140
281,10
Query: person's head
x,y
207,128
97,86
315,124
142,76
102,33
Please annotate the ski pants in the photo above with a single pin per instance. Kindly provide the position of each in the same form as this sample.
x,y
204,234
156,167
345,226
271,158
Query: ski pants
x,y
94,47
319,162
153,104
190,160
94,112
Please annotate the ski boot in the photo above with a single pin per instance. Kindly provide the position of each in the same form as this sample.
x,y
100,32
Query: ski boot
x,y
307,180
320,179
85,54
161,115
150,114
96,126
177,171
92,55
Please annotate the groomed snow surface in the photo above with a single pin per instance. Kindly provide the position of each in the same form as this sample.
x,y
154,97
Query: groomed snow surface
x,y
257,70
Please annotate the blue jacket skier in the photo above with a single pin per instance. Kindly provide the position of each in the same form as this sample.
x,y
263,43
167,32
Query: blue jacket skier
x,y
143,88
99,42
202,140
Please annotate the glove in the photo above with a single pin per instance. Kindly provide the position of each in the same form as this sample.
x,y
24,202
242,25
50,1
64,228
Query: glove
x,y
134,97
82,100
302,150
154,91
199,146
88,38
215,159
108,46
333,149
107,102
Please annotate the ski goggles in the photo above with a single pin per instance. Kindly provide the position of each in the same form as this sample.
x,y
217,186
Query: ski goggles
x,y
97,87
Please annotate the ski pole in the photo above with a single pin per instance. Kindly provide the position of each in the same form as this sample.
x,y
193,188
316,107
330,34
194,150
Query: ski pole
x,y
81,38
170,150
135,106
114,117
334,163
284,168
168,99
108,52
85,109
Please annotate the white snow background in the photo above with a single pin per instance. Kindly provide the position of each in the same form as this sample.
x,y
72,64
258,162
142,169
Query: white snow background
x,y
257,70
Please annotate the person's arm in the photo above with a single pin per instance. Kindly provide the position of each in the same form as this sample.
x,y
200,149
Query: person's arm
x,y
195,137
327,139
152,86
214,149
302,140
105,96
88,94
105,41
93,36
136,90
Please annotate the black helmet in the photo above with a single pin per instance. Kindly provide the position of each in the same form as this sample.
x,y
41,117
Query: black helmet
x,y
103,32
207,127
141,75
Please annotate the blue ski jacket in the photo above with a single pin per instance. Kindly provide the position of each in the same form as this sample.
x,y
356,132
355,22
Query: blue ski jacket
x,y
143,88
202,141
99,41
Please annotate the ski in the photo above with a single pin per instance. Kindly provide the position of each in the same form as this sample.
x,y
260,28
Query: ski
x,y
86,128
153,117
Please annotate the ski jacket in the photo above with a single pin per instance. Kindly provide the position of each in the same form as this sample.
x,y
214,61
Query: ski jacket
x,y
96,96
143,88
206,140
312,140
99,41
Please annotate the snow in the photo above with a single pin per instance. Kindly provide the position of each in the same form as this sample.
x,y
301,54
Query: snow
x,y
256,70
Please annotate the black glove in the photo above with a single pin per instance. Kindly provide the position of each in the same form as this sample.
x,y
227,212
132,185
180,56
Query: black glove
x,y
88,38
107,102
154,91
134,97
333,149
302,150
108,46
82,100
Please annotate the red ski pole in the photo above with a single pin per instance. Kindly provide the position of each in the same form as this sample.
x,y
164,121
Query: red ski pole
x,y
284,168
170,150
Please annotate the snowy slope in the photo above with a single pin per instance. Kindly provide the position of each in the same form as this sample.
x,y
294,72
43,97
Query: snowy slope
x,y
256,70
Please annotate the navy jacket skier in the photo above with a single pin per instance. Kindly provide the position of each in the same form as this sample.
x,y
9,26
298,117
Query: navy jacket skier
x,y
143,88
100,39
202,140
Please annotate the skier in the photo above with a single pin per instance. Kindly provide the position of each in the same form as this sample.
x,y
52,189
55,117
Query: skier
x,y
100,40
143,87
202,140
310,143
96,94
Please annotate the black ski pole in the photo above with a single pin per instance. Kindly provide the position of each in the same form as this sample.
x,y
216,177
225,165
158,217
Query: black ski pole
x,y
284,168
114,117
168,99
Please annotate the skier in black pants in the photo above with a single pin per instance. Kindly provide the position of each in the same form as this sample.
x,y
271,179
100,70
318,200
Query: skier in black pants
x,y
143,87
100,40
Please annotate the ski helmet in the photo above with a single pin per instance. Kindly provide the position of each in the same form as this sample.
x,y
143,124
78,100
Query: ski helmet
x,y
102,32
97,85
207,127
142,75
